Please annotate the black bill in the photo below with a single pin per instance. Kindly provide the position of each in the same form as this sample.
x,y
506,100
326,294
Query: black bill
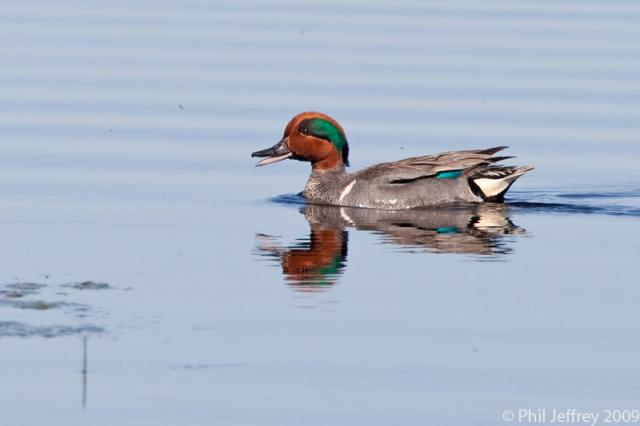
x,y
276,153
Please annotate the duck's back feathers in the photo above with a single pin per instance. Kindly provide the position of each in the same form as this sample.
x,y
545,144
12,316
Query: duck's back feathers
x,y
452,176
431,166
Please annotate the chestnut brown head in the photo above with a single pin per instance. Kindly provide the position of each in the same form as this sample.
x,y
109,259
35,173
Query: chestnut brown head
x,y
310,136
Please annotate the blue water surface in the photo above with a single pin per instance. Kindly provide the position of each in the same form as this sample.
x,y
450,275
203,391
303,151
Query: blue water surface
x,y
151,275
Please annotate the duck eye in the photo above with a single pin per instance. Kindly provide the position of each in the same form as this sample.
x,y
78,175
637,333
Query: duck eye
x,y
304,131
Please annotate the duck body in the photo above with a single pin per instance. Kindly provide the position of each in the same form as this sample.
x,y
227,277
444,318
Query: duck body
x,y
451,177
361,189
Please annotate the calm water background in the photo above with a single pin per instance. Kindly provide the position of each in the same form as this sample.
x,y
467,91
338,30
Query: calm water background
x,y
125,134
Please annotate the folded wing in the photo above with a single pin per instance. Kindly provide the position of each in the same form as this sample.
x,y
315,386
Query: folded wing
x,y
443,165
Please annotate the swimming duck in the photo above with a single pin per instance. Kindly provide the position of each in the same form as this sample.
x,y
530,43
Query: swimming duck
x,y
448,177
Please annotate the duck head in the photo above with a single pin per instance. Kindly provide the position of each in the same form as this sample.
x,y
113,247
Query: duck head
x,y
313,137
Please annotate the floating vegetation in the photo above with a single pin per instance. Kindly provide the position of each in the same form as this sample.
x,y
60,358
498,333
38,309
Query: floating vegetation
x,y
17,290
38,305
89,285
19,329
28,296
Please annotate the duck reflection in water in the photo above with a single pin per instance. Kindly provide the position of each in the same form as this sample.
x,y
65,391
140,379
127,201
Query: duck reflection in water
x,y
316,262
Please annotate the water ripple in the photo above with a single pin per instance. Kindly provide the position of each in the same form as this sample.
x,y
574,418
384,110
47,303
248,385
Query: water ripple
x,y
549,201
614,202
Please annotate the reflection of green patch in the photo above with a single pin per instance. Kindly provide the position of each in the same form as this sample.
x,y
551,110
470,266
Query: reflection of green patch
x,y
324,274
325,271
333,267
448,230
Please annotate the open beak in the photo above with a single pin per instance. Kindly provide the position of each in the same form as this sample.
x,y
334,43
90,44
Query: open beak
x,y
276,153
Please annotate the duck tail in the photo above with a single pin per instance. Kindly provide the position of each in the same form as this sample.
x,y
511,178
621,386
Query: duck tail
x,y
491,183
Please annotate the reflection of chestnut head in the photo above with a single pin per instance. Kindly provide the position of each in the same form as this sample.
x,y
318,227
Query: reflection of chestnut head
x,y
318,261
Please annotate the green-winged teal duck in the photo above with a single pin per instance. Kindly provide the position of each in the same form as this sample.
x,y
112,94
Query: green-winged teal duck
x,y
445,178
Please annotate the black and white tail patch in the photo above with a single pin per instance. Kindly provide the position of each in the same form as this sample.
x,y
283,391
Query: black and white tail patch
x,y
493,182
